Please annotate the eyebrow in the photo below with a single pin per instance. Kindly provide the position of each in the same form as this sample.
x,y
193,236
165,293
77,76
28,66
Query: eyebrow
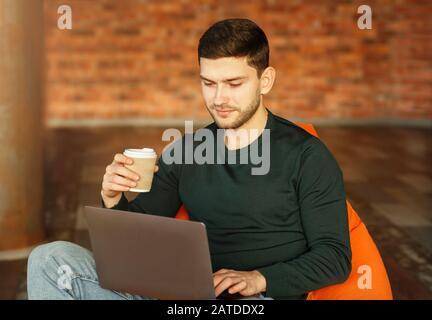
x,y
224,80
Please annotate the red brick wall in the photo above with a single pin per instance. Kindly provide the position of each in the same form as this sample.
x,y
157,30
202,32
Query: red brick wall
x,y
137,59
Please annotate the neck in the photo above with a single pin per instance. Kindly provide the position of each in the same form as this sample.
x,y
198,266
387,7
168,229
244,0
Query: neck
x,y
249,131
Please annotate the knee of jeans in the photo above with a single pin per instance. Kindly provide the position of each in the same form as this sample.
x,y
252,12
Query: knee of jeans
x,y
41,254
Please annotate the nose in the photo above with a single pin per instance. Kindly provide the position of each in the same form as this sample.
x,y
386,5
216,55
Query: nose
x,y
220,97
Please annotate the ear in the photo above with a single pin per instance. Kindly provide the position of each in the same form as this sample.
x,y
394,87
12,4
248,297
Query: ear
x,y
267,79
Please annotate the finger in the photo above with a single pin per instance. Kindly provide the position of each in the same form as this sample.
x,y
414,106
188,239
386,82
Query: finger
x,y
122,181
114,187
121,158
238,287
121,170
156,168
217,278
225,284
222,271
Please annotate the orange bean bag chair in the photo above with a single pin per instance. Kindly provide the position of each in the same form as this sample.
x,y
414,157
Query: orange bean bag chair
x,y
368,279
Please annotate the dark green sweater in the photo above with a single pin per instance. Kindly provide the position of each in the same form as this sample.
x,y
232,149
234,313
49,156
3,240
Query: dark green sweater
x,y
290,224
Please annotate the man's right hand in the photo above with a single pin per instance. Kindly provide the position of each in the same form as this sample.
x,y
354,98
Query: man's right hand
x,y
117,179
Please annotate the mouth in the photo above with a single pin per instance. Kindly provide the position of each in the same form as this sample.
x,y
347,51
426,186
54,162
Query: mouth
x,y
224,112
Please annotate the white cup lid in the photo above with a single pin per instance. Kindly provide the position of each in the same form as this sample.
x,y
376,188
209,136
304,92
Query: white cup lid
x,y
140,153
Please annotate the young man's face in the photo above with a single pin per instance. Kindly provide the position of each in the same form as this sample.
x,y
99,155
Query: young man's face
x,y
231,90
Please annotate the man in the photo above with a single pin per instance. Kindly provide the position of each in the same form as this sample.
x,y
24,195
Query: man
x,y
280,234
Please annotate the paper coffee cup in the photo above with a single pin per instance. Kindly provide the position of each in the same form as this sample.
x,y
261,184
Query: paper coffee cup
x,y
144,163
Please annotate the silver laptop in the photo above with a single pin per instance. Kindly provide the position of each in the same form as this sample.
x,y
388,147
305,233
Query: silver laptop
x,y
152,256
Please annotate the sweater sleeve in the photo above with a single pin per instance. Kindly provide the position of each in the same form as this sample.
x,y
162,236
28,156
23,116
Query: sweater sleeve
x,y
163,198
324,217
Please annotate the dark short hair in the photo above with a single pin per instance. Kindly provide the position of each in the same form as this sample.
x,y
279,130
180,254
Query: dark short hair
x,y
236,38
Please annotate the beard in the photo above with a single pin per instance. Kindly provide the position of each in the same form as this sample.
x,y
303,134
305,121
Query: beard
x,y
242,117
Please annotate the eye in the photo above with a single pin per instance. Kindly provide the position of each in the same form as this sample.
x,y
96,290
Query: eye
x,y
208,84
235,84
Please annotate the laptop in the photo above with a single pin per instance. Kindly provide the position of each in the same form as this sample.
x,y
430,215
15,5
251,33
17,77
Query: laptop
x,y
152,256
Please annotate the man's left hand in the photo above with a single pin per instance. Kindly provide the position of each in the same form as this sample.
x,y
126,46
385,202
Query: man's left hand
x,y
247,283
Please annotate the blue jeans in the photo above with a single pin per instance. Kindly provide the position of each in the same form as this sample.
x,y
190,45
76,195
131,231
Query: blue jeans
x,y
64,270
